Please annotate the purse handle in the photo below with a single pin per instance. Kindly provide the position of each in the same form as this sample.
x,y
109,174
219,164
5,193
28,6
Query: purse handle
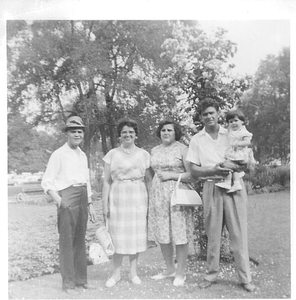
x,y
178,182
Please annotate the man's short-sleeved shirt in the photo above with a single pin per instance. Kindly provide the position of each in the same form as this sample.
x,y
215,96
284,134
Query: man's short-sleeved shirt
x,y
65,168
205,151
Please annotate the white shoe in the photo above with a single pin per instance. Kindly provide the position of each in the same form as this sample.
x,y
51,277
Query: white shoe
x,y
111,282
179,281
135,280
234,188
163,276
223,185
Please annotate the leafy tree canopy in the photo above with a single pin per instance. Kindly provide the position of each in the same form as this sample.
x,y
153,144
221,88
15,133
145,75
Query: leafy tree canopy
x,y
267,106
107,70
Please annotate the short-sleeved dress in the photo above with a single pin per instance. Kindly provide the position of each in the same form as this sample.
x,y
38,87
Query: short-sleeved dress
x,y
128,200
242,154
165,223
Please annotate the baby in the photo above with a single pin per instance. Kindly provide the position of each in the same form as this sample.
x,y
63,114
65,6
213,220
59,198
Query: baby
x,y
239,151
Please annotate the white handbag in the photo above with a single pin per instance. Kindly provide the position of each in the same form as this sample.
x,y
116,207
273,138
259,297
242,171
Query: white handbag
x,y
184,197
105,240
97,254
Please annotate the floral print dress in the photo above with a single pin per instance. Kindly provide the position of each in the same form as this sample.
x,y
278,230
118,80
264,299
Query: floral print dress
x,y
165,223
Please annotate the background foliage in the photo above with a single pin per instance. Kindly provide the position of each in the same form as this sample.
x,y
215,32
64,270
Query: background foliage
x,y
146,70
267,105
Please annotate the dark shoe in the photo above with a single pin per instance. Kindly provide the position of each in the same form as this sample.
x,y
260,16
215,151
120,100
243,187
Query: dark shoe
x,y
249,287
206,284
73,292
85,286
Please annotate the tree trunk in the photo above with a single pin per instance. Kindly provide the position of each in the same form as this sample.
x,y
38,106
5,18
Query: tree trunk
x,y
86,145
111,120
103,138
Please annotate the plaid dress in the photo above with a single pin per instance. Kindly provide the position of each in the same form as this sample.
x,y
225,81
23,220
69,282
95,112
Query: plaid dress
x,y
128,200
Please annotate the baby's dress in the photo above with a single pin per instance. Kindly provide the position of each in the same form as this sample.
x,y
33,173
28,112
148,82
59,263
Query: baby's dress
x,y
243,155
165,223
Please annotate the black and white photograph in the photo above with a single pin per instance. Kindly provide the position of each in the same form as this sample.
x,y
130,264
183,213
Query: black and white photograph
x,y
148,149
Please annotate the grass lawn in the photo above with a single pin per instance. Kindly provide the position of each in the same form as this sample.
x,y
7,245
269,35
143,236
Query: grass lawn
x,y
33,248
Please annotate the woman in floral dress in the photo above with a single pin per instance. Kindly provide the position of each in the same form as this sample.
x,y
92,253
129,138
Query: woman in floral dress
x,y
125,199
168,225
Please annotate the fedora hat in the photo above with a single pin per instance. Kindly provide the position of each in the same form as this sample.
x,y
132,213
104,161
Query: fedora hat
x,y
74,122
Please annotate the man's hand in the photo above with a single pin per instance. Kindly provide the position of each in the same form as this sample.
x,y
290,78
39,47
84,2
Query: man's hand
x,y
56,197
59,201
222,170
233,166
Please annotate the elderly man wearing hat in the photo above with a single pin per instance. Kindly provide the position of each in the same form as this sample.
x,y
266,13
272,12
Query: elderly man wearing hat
x,y
66,180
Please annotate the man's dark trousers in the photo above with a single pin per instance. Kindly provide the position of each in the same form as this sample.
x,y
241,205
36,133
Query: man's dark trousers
x,y
72,222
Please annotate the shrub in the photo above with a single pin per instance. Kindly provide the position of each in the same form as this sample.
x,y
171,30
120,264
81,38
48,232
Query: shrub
x,y
268,178
270,189
264,176
282,175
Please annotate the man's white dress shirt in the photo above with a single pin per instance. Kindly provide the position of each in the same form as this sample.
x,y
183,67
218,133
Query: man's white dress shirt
x,y
207,152
65,168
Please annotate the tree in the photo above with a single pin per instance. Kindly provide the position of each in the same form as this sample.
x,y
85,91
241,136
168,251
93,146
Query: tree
x,y
84,67
198,67
28,149
106,70
267,106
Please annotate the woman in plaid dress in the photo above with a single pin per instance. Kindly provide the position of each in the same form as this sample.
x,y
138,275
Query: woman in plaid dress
x,y
125,198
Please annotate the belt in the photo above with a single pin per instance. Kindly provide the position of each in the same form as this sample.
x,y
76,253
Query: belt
x,y
130,180
79,184
214,178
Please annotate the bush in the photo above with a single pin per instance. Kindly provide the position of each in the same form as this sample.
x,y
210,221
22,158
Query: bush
x,y
264,176
267,179
282,175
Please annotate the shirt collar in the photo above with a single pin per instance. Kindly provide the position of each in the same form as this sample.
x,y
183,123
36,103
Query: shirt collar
x,y
67,148
222,130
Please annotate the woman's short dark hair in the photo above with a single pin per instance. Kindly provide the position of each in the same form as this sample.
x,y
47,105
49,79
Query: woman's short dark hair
x,y
127,122
178,132
235,113
205,103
